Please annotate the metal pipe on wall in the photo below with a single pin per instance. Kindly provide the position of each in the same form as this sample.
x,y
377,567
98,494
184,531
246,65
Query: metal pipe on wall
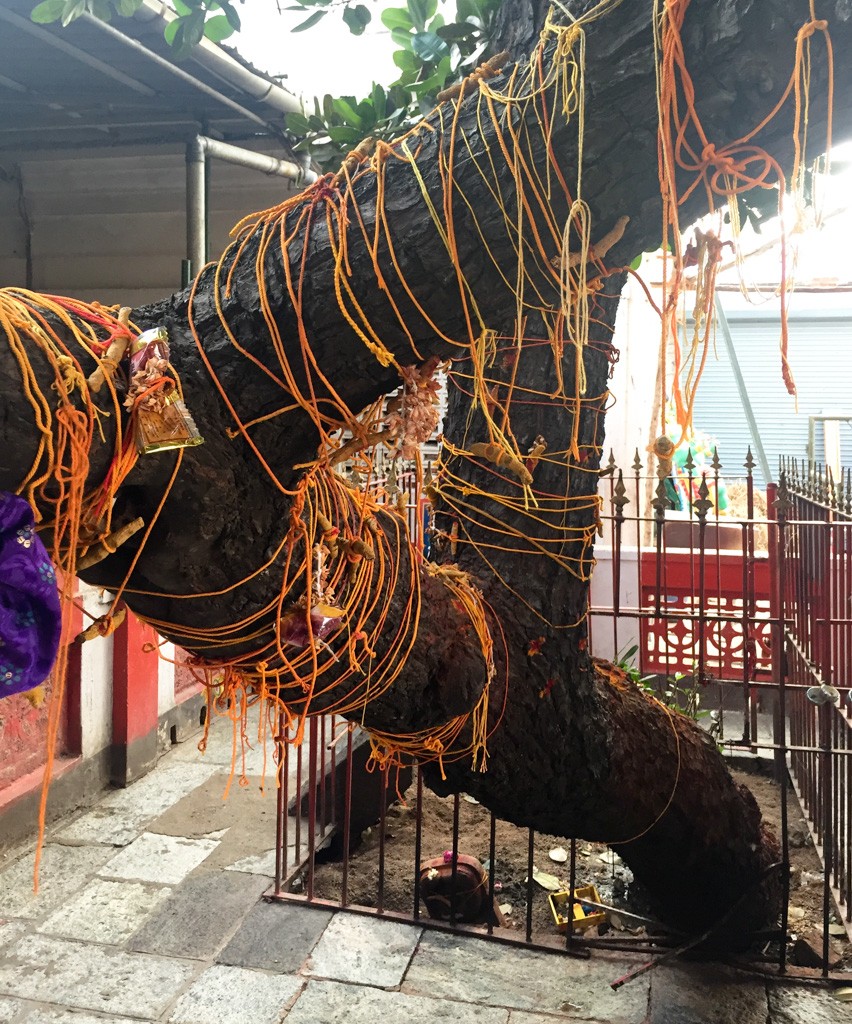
x,y
197,151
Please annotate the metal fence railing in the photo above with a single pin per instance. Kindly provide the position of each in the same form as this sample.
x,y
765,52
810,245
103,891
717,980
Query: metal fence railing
x,y
755,598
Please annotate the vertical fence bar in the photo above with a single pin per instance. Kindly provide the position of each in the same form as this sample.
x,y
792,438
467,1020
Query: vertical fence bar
x,y
380,902
454,878
280,807
418,842
312,805
492,868
347,819
530,883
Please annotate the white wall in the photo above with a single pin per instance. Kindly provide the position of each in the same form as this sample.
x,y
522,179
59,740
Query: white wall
x,y
166,679
95,678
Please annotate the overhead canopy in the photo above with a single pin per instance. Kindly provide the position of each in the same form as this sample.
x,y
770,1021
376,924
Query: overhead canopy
x,y
98,84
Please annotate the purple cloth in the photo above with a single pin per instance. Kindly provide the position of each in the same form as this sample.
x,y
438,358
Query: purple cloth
x,y
30,616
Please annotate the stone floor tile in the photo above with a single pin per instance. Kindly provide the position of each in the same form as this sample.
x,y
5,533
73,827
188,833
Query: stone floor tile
x,y
797,1004
219,751
257,864
706,994
156,858
105,911
8,1009
330,1002
105,825
11,931
45,969
161,788
364,949
200,915
233,995
63,870
275,937
447,966
123,813
70,1017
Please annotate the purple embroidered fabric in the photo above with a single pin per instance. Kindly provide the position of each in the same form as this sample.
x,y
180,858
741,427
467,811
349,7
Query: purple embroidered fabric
x,y
30,616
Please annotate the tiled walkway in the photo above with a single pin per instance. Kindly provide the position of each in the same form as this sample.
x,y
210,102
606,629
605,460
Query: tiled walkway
x,y
150,909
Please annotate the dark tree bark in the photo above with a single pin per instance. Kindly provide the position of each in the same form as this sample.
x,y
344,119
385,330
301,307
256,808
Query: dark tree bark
x,y
579,751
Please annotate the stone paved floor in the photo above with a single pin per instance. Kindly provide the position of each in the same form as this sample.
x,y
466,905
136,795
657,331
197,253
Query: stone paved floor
x,y
150,909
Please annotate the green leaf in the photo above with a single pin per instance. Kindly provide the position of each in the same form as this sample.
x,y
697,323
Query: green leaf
x,y
419,11
181,8
100,9
406,61
50,10
218,28
126,8
343,135
436,23
72,10
380,101
401,38
231,14
429,46
298,124
328,107
636,264
453,33
357,18
397,17
309,22
347,112
171,31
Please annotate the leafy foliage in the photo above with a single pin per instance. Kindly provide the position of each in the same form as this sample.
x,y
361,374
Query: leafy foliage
x,y
215,19
431,54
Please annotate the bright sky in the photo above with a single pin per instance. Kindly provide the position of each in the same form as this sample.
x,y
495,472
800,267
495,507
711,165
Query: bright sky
x,y
326,58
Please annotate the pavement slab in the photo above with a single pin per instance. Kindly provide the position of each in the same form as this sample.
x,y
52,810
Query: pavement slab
x,y
247,818
156,858
451,967
364,949
330,1002
123,813
45,969
201,914
798,1004
10,931
233,995
63,870
69,1017
105,911
706,994
276,937
8,1009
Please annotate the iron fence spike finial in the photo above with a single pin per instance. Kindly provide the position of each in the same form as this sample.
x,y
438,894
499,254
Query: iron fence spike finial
x,y
619,496
609,468
749,461
661,498
702,503
637,462
715,462
782,501
689,462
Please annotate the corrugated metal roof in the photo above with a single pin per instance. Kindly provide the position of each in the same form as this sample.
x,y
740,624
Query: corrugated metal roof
x,y
821,359
86,85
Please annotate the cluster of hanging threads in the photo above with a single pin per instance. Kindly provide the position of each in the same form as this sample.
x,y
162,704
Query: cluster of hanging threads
x,y
725,173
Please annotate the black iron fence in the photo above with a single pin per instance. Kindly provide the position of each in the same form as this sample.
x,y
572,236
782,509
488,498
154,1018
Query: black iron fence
x,y
707,588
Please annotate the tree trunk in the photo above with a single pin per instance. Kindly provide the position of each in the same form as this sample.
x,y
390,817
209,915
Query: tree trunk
x,y
575,749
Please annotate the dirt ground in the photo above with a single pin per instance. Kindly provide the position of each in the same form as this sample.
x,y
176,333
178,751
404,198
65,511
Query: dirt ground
x,y
595,863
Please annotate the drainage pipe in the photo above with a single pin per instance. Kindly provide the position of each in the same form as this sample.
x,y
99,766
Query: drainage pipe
x,y
197,151
221,63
